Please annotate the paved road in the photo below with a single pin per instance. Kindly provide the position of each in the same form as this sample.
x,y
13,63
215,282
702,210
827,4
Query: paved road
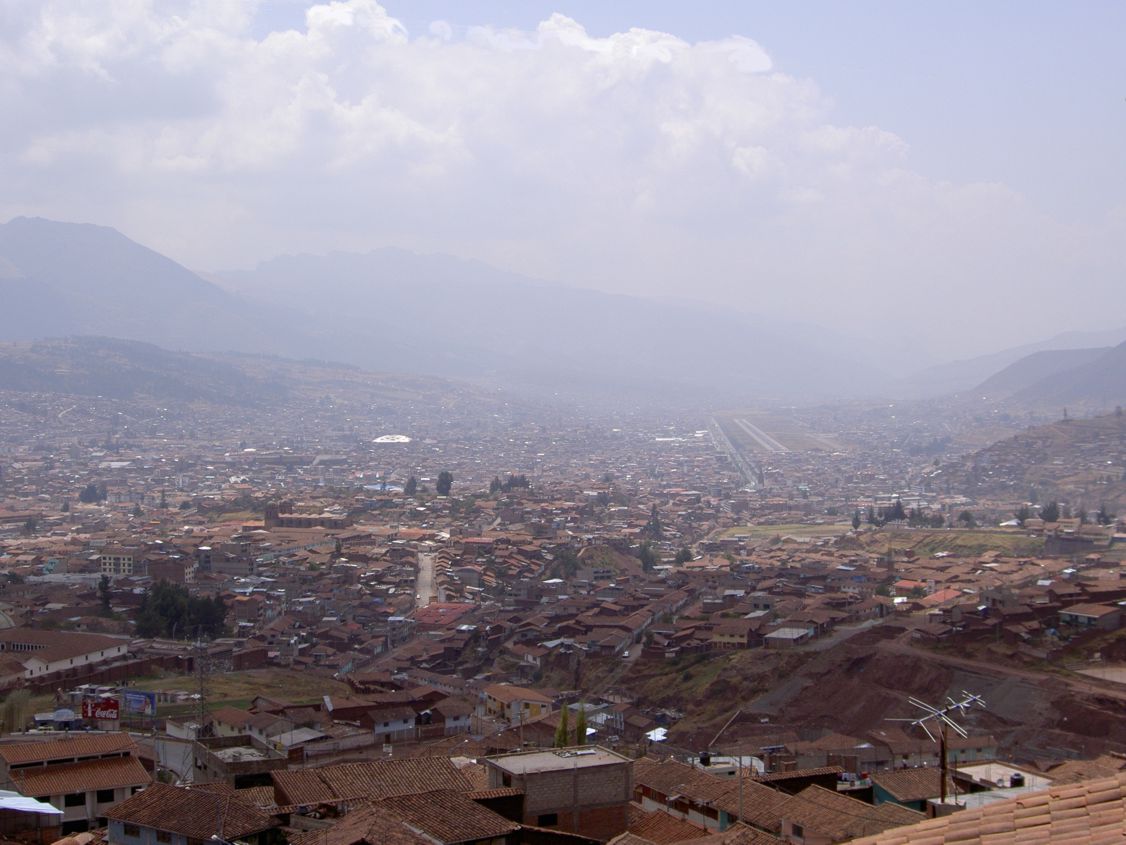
x,y
424,586
839,635
723,443
761,437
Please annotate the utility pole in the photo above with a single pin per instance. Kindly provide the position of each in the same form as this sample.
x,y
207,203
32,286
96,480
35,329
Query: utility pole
x,y
941,716
201,685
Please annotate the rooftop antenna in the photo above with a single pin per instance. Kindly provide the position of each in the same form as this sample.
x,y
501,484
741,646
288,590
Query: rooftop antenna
x,y
940,717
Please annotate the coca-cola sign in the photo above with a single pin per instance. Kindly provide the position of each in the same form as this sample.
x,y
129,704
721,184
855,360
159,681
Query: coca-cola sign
x,y
106,708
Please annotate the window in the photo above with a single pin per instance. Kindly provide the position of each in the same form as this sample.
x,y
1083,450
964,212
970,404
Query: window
x,y
105,796
163,836
131,830
548,820
75,799
797,830
506,779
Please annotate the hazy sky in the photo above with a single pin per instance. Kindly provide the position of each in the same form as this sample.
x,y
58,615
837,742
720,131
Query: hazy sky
x,y
949,174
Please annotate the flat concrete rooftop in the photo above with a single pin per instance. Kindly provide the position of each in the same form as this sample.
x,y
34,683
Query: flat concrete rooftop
x,y
548,761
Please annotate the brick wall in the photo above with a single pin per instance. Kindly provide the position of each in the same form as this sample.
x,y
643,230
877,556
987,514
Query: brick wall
x,y
589,801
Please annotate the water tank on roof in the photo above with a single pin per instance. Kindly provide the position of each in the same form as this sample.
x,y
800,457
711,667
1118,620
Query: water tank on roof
x,y
1016,779
705,758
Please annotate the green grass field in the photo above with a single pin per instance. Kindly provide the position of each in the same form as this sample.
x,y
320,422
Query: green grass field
x,y
927,542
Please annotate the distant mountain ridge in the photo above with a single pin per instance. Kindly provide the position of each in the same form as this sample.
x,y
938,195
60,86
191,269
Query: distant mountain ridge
x,y
967,374
1100,381
132,370
395,311
80,279
1029,371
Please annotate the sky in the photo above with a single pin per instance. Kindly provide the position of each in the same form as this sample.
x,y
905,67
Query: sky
x,y
944,179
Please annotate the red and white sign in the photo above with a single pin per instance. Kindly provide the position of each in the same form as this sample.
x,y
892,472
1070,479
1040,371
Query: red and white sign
x,y
104,708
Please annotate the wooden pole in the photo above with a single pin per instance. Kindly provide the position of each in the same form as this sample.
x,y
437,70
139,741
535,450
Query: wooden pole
x,y
942,773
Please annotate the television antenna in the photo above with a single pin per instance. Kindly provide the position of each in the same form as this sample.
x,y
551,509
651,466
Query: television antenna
x,y
941,719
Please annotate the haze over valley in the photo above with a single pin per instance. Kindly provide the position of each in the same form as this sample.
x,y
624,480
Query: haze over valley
x,y
448,423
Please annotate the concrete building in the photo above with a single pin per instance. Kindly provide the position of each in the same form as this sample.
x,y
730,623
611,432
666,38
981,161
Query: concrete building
x,y
579,790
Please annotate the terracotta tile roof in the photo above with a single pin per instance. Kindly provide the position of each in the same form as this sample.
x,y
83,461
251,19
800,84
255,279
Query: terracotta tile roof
x,y
365,826
840,817
378,779
64,778
1076,770
661,828
508,694
193,813
1092,811
738,834
761,804
772,777
75,745
628,838
450,816
913,784
499,792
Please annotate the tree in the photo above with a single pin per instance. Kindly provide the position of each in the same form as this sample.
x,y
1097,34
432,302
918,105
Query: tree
x,y
683,556
648,557
29,525
871,515
103,595
411,487
444,483
136,510
92,493
966,520
66,507
563,730
163,499
514,481
16,710
1104,517
186,505
1023,514
168,610
856,519
580,725
1050,512
495,485
1082,514
653,527
895,513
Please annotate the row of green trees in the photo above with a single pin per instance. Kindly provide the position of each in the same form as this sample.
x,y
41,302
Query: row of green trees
x,y
564,736
1052,512
509,484
169,610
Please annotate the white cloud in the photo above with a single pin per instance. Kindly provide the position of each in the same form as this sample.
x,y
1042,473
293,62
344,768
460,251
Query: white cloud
x,y
634,162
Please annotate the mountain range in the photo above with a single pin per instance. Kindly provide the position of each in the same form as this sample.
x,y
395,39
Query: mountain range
x,y
395,311
392,310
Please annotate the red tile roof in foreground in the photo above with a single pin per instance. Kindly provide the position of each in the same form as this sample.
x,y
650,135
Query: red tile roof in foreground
x,y
72,747
193,813
1091,812
64,778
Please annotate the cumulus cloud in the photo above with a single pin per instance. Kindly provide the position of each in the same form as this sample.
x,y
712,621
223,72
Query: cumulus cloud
x,y
637,162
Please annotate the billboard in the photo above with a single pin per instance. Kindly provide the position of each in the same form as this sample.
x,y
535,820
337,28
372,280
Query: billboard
x,y
139,703
101,708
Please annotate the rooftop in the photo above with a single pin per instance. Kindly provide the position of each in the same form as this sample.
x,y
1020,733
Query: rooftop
x,y
546,761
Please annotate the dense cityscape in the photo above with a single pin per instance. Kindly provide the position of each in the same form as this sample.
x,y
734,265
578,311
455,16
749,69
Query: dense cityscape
x,y
428,422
